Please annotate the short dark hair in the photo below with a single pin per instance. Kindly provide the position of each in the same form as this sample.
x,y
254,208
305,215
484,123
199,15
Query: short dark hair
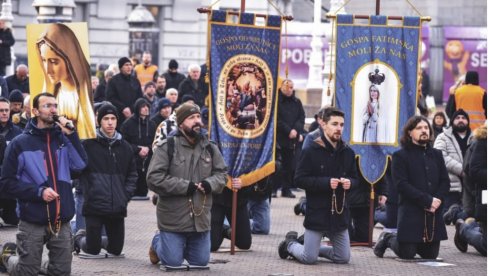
x,y
5,100
331,111
35,101
412,123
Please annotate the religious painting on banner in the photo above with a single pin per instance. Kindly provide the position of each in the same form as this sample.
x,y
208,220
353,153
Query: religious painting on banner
x,y
59,64
377,73
244,60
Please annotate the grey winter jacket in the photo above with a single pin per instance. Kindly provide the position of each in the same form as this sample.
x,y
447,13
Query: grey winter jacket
x,y
171,181
453,157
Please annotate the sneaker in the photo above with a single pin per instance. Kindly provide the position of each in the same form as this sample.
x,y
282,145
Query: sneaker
x,y
458,241
301,239
451,215
8,250
77,240
291,236
381,244
154,199
153,256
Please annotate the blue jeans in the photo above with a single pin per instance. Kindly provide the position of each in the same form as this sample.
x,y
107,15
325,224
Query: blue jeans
x,y
474,235
173,248
259,215
79,222
308,253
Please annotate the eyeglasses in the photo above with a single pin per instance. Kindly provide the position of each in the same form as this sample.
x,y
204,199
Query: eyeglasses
x,y
49,106
6,110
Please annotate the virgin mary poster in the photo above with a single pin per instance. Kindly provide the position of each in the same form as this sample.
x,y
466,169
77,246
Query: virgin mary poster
x,y
59,64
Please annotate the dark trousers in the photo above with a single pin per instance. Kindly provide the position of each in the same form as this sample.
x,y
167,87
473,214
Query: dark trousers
x,y
408,250
141,184
243,227
391,215
115,229
359,224
287,171
451,198
8,213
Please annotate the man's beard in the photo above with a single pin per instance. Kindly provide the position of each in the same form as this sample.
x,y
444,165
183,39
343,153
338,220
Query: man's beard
x,y
423,139
460,127
194,132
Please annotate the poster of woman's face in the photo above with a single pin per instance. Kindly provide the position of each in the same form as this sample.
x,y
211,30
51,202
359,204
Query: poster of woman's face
x,y
59,64
375,105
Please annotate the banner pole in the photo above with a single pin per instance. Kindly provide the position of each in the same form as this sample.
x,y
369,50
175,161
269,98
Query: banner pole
x,y
233,222
378,2
371,216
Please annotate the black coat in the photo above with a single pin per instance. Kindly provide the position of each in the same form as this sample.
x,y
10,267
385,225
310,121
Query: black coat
x,y
123,91
7,41
317,165
109,180
188,87
419,174
173,80
477,172
139,132
290,116
14,83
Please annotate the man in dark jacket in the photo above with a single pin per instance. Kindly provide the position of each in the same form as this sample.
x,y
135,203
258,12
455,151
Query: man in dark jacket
x,y
19,80
139,131
291,121
37,171
173,78
326,171
123,90
420,174
8,131
163,111
6,41
108,183
191,86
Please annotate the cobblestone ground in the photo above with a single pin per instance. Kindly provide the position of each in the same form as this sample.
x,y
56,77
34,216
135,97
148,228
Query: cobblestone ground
x,y
263,257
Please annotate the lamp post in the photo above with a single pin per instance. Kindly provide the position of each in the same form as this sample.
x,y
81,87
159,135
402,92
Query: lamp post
x,y
143,35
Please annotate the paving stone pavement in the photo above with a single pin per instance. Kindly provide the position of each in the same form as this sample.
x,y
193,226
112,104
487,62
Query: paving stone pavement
x,y
263,258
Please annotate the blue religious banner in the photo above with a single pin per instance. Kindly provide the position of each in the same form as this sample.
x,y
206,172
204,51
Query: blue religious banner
x,y
377,72
243,61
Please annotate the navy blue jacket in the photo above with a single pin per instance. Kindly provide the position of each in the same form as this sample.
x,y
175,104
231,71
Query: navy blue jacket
x,y
35,160
319,162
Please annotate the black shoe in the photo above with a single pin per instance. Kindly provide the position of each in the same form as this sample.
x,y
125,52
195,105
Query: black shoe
x,y
288,194
451,215
283,247
77,240
8,250
381,244
458,241
301,239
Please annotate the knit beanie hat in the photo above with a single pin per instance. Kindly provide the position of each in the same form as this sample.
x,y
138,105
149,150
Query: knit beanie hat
x,y
16,96
173,64
163,103
458,112
106,109
184,111
472,78
123,60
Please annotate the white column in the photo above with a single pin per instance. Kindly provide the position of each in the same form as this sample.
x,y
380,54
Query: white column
x,y
316,58
329,64
6,14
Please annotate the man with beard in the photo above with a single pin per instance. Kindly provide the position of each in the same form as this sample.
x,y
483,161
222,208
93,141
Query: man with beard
x,y
37,171
146,72
326,171
173,78
150,96
160,87
453,143
420,175
139,131
185,171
